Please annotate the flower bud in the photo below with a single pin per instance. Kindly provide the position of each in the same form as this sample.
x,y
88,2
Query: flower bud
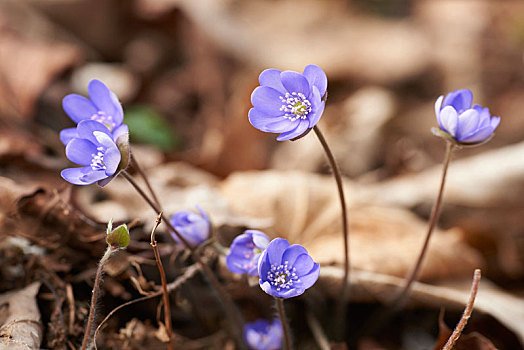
x,y
117,238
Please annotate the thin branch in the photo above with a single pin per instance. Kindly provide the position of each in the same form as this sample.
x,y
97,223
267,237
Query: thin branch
x,y
232,312
190,272
467,312
167,307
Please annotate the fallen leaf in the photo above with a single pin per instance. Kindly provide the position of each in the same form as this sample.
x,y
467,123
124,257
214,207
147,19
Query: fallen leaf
x,y
21,327
305,210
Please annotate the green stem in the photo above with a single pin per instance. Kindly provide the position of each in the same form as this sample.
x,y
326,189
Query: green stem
x,y
225,300
283,320
343,300
435,213
94,297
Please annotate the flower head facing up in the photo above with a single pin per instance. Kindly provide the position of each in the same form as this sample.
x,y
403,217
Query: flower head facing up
x,y
286,270
465,124
245,251
288,103
194,227
102,106
264,335
94,149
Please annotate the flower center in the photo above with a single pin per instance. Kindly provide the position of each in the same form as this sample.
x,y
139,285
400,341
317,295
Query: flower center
x,y
296,106
97,160
281,276
107,120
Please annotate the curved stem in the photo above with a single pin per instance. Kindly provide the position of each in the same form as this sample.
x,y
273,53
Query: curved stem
x,y
342,303
467,312
94,297
167,307
435,213
142,174
224,298
283,320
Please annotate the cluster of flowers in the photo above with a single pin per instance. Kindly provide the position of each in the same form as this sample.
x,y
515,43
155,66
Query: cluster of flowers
x,y
287,103
99,142
284,270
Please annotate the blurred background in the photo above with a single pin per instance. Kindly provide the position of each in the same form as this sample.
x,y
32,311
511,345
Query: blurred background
x,y
184,72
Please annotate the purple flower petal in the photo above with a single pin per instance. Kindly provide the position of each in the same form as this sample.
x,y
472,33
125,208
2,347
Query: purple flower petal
x,y
292,253
316,77
459,99
119,131
267,101
67,135
295,82
105,100
266,287
303,264
467,123
318,107
448,120
299,130
111,160
104,139
266,123
263,265
438,106
78,107
80,151
278,246
86,128
260,240
271,78
479,135
495,121
82,176
309,279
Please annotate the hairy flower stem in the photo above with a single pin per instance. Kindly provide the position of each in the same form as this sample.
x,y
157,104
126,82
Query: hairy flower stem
x,y
94,297
467,312
435,213
142,174
165,295
343,300
283,320
225,300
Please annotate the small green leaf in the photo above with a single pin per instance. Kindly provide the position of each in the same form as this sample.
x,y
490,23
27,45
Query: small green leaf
x,y
148,126
118,238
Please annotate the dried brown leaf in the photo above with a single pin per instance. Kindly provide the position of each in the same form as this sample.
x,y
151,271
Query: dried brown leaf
x,y
305,210
21,329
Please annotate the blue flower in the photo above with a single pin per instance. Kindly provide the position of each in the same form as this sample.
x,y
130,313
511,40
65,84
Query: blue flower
x,y
263,335
195,228
102,106
465,124
245,252
93,148
288,103
286,271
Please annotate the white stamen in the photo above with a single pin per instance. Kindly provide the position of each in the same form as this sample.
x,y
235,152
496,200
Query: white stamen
x,y
281,276
97,160
296,106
